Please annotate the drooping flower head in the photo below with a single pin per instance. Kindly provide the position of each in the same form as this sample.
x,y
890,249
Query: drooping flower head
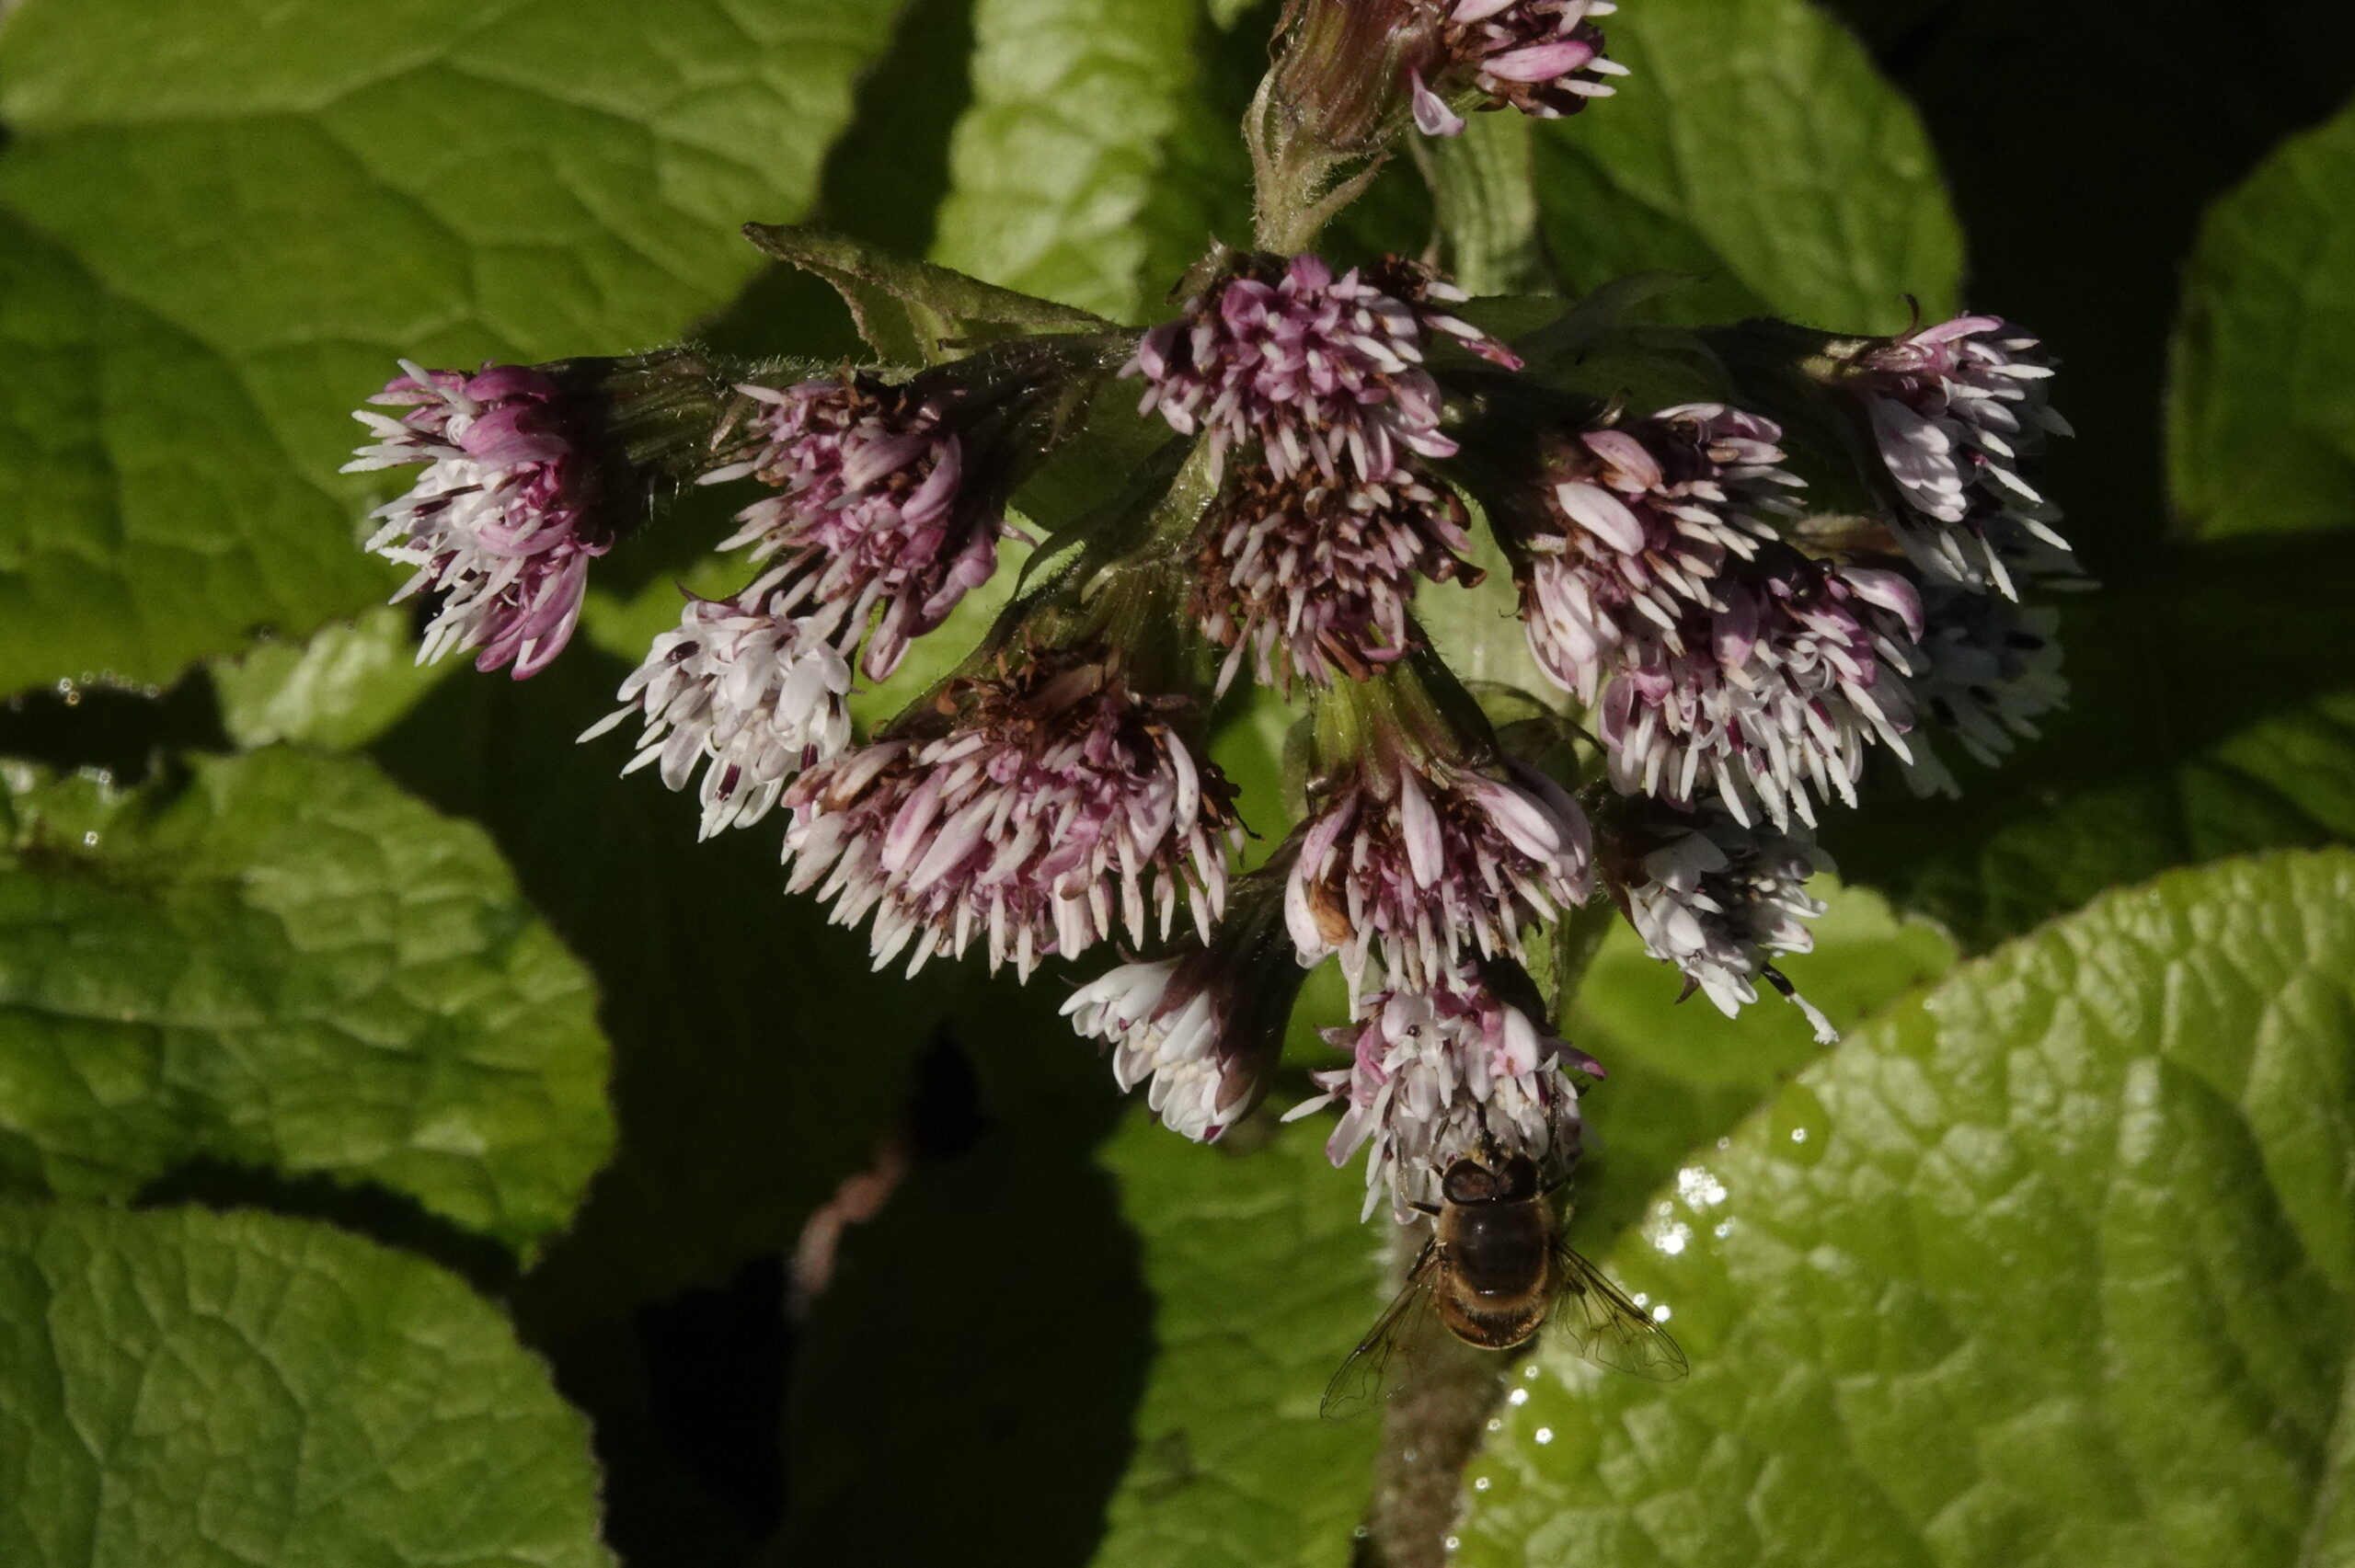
x,y
870,508
1956,408
505,520
1542,57
1325,373
1202,1028
1772,701
1635,525
1443,1073
751,690
1038,809
1990,669
1719,900
1314,580
1422,856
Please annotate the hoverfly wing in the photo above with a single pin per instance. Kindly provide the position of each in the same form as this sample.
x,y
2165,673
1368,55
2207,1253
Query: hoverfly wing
x,y
1377,1367
1610,1329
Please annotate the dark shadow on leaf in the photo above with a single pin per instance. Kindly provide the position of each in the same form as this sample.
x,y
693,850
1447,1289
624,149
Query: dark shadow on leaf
x,y
123,731
394,1219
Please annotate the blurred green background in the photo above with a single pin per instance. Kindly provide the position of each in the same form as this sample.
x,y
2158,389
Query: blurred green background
x,y
407,1129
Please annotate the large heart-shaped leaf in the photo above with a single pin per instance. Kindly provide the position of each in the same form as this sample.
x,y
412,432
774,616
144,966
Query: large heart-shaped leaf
x,y
2052,1264
219,1391
294,194
285,964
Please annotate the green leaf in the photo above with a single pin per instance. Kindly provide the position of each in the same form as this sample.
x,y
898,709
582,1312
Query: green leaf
x,y
287,965
238,1391
1753,144
2211,713
1056,161
293,193
2262,423
2051,1264
342,688
1264,1280
911,312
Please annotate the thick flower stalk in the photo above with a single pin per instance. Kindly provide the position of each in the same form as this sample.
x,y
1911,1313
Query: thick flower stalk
x,y
1314,580
1039,810
1720,900
502,525
1322,373
1990,670
1955,408
1422,861
1201,1028
1633,528
749,690
1773,701
1542,57
871,507
1445,1073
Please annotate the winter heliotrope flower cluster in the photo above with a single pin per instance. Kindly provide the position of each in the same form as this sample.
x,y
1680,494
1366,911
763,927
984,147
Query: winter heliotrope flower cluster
x,y
1723,657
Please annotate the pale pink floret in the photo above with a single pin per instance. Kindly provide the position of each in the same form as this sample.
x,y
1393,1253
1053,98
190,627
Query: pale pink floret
x,y
1957,407
1637,524
1771,702
494,525
1325,373
1423,863
1543,57
870,511
1441,1074
1315,581
748,690
1721,900
1058,808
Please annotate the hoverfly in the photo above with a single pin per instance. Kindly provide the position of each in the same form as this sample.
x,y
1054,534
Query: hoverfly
x,y
1495,1270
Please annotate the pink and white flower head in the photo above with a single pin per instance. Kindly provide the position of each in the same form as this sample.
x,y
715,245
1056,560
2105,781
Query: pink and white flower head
x,y
750,690
1039,811
1721,902
871,507
1990,670
1204,1028
1326,374
1443,1073
499,525
1956,408
1543,57
1314,580
1422,862
1772,700
1638,523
